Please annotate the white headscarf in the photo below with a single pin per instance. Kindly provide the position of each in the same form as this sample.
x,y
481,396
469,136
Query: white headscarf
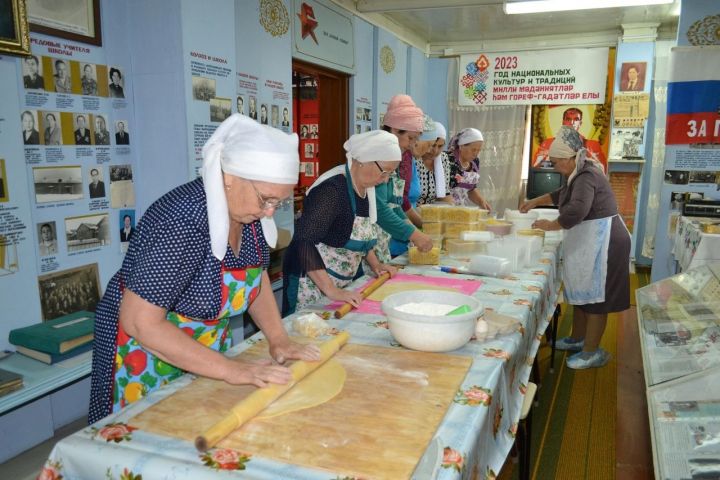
x,y
568,143
244,148
373,146
438,168
469,135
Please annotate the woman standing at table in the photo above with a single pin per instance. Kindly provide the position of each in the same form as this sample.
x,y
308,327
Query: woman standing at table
x,y
433,168
596,248
404,120
463,154
199,256
335,231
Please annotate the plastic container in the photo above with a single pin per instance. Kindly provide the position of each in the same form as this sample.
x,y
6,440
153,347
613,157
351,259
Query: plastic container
x,y
431,257
453,230
520,221
432,333
462,248
431,212
499,227
533,248
510,249
437,240
546,213
490,266
432,228
471,236
460,214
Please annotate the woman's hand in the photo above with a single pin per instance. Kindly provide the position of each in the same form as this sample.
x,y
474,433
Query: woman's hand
x,y
421,240
544,224
345,296
527,206
294,351
485,205
260,373
384,267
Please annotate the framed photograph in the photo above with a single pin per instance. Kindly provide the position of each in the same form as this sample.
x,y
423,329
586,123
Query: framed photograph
x,y
14,33
58,184
87,231
69,291
632,76
77,20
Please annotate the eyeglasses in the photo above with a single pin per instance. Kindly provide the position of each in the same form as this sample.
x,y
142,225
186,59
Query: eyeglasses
x,y
270,203
384,173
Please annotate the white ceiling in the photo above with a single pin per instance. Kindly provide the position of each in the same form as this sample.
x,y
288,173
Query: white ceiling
x,y
441,24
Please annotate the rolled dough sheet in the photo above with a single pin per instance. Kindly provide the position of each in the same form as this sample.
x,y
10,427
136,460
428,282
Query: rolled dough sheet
x,y
390,288
317,388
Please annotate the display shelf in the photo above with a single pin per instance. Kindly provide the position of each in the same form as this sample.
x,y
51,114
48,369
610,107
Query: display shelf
x,y
679,319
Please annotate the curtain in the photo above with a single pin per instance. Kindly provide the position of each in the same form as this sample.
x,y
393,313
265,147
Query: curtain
x,y
660,82
501,158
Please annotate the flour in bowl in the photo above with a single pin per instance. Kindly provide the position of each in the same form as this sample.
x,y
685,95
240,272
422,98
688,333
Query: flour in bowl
x,y
426,308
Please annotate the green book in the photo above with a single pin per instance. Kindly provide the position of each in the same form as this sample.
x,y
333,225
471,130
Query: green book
x,y
56,336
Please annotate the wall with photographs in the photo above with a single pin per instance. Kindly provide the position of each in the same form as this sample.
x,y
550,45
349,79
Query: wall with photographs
x,y
68,158
362,112
692,165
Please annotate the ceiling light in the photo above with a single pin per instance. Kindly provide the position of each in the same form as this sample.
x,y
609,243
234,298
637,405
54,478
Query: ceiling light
x,y
538,6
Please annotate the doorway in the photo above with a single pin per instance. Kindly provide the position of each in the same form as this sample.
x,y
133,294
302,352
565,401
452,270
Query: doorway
x,y
320,118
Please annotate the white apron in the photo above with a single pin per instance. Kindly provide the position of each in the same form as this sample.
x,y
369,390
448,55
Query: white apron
x,y
585,253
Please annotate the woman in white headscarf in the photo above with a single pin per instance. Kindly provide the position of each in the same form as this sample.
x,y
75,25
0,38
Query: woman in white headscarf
x,y
199,256
336,230
596,248
433,167
463,154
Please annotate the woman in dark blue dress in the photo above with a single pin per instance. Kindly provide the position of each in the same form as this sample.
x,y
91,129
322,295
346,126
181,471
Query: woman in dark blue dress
x,y
199,256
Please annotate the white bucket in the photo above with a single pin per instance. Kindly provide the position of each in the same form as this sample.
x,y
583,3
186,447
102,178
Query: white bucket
x,y
520,221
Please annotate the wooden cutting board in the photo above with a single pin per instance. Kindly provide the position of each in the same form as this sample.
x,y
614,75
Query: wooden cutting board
x,y
378,427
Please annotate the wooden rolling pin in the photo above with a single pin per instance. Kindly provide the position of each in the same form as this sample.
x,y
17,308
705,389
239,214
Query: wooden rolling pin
x,y
346,307
262,397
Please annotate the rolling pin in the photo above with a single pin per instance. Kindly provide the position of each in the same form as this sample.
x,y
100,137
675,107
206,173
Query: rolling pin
x,y
346,307
262,397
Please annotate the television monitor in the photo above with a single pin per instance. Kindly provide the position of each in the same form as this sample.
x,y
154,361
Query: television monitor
x,y
542,181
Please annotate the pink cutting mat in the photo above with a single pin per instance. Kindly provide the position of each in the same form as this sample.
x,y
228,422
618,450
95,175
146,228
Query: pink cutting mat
x,y
467,287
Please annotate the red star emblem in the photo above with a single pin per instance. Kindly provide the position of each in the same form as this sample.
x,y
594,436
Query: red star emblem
x,y
308,21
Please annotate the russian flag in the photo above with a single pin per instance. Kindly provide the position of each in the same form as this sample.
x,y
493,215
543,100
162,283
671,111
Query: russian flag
x,y
693,114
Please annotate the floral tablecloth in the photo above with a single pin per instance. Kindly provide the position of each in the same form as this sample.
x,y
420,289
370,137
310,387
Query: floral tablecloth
x,y
472,441
692,247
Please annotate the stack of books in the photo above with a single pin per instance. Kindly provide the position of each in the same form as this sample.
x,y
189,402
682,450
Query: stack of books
x,y
56,340
9,381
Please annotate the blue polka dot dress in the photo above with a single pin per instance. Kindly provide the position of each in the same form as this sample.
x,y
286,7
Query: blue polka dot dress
x,y
170,264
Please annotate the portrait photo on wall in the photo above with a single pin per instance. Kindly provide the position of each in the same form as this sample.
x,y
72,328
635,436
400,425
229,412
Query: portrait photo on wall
x,y
81,134
122,189
29,123
58,184
51,128
591,121
632,76
69,291
203,88
88,79
47,238
122,133
62,78
309,150
87,231
116,85
285,117
101,134
4,193
274,116
252,107
126,225
33,73
264,114
240,104
96,186
220,109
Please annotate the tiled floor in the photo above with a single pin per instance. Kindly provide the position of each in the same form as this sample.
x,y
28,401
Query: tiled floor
x,y
27,465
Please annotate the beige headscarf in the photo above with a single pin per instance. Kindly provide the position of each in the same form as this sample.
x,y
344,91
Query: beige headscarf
x,y
242,147
568,143
373,146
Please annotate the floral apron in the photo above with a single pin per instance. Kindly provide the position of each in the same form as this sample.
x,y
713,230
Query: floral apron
x,y
465,183
382,250
138,372
342,264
